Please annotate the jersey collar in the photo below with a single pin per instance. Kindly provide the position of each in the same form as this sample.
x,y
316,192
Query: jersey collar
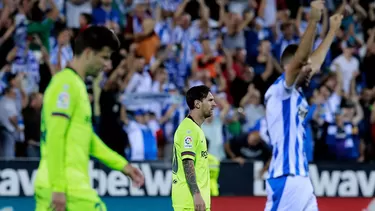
x,y
72,69
190,117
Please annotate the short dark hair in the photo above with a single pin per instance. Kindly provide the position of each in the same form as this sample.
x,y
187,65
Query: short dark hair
x,y
96,38
196,93
10,77
33,96
288,54
7,90
347,103
35,13
88,17
61,29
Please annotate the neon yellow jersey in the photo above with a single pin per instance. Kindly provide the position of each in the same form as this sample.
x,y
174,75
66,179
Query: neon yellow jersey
x,y
68,140
214,174
190,142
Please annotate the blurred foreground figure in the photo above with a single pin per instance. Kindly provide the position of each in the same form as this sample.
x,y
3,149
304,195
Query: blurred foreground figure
x,y
67,137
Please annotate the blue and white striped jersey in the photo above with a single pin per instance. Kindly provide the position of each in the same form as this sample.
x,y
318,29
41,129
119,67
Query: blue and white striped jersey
x,y
286,109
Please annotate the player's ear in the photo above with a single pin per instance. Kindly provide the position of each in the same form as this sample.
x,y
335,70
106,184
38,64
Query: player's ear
x,y
88,53
197,104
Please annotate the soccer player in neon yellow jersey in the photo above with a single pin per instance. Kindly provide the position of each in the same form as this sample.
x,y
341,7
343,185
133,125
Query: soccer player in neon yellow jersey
x,y
67,138
190,167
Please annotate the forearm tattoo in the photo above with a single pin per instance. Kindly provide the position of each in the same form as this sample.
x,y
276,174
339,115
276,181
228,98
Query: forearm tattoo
x,y
190,175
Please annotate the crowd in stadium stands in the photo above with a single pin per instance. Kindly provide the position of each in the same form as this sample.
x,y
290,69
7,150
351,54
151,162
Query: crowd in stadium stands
x,y
168,46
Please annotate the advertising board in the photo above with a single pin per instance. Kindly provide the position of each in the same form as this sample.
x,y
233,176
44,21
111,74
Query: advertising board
x,y
329,180
17,177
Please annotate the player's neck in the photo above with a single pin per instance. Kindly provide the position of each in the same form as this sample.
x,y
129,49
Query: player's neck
x,y
78,66
196,118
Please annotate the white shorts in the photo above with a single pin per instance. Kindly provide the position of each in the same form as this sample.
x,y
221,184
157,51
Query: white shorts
x,y
290,193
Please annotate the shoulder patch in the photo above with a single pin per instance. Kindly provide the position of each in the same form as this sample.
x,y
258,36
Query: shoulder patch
x,y
188,142
63,100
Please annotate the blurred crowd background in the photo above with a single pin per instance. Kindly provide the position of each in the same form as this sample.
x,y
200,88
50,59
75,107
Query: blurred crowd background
x,y
168,46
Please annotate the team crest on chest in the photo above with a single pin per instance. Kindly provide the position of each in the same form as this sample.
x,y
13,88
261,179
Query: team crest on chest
x,y
303,109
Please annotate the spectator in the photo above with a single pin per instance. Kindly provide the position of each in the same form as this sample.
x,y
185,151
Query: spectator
x,y
160,85
74,8
20,27
169,46
347,64
253,109
46,69
207,61
186,34
9,123
164,23
85,20
148,41
214,126
104,14
288,37
171,115
234,30
134,21
342,138
143,144
41,26
111,111
14,82
24,62
247,147
62,52
366,101
138,75
369,60
265,66
32,116
239,86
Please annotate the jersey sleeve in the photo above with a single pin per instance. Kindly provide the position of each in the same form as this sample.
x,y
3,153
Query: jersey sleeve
x,y
187,141
279,90
58,107
110,158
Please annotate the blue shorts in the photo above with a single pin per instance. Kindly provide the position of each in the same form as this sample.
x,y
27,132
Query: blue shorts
x,y
289,193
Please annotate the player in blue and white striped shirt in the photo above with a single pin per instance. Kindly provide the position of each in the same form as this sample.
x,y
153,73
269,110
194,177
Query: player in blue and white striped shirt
x,y
288,185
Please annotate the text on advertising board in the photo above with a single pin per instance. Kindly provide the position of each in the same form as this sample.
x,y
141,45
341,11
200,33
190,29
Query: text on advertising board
x,y
330,183
19,182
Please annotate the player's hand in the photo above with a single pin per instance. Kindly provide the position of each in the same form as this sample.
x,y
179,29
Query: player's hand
x,y
58,201
199,204
317,8
335,22
135,175
306,73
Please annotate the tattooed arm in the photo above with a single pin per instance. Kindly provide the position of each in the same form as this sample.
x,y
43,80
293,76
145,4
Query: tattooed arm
x,y
190,176
199,204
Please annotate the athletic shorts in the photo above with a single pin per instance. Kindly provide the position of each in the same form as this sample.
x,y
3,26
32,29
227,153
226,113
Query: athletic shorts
x,y
43,203
186,209
290,193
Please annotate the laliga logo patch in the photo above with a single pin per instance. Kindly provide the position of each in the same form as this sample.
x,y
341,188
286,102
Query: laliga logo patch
x,y
188,142
63,100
